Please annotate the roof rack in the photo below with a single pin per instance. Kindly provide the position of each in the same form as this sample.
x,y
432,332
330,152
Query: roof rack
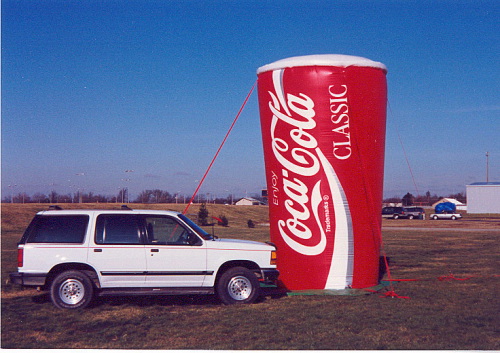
x,y
56,207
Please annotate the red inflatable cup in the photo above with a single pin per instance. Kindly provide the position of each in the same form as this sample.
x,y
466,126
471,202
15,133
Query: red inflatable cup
x,y
323,130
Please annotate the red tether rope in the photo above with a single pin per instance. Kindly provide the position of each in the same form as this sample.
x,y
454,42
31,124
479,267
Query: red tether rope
x,y
220,147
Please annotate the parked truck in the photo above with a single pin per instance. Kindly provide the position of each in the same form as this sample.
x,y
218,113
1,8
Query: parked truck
x,y
79,254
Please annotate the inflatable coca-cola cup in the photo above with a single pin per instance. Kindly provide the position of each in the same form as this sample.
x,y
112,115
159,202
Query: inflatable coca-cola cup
x,y
323,130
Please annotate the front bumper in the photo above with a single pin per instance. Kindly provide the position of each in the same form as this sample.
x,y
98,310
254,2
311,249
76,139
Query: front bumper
x,y
28,279
269,275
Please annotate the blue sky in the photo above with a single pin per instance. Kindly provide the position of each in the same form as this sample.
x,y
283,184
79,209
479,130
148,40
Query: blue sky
x,y
92,88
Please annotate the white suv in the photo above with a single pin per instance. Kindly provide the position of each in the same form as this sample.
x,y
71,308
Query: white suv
x,y
76,254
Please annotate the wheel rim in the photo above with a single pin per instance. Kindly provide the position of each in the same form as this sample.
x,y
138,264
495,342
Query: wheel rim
x,y
239,288
71,291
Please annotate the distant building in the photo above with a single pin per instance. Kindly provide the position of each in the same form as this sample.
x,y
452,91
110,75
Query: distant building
x,y
392,204
460,206
483,197
248,201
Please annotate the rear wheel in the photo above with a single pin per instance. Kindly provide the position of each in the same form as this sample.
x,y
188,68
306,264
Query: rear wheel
x,y
71,290
238,285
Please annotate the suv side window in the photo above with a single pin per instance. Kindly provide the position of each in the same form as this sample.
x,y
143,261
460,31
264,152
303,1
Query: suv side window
x,y
117,229
57,229
167,231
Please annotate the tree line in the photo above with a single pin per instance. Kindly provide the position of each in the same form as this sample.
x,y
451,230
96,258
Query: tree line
x,y
55,197
163,196
145,196
424,200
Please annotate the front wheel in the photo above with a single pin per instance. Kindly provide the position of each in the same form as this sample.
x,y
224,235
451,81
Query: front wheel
x,y
238,285
71,290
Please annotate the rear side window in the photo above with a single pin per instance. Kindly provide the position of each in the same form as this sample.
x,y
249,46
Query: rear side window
x,y
57,229
117,229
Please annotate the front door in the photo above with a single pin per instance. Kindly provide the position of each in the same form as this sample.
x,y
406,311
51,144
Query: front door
x,y
175,256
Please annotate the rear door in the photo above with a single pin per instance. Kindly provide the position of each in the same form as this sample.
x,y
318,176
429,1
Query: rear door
x,y
118,253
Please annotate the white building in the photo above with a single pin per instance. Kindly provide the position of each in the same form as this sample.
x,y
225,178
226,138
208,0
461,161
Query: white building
x,y
483,197
248,201
460,206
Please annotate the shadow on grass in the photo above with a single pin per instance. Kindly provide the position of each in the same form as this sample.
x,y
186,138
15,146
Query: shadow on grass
x,y
160,300
155,300
382,266
42,298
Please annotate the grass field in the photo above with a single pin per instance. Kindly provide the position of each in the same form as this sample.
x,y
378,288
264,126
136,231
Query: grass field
x,y
439,314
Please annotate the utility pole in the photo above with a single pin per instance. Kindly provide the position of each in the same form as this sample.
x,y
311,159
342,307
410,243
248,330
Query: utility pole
x,y
487,166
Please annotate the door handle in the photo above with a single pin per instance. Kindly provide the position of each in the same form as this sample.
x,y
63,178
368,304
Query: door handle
x,y
97,250
155,250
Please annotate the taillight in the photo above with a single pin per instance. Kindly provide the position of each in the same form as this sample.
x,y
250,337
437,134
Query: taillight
x,y
273,257
20,257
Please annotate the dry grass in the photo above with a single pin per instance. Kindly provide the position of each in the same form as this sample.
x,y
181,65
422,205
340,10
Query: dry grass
x,y
448,314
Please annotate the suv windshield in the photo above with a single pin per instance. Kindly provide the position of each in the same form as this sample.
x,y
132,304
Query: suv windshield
x,y
201,232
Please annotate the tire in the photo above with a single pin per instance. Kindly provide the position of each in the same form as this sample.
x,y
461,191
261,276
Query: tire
x,y
71,290
238,285
435,217
453,218
410,216
395,216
